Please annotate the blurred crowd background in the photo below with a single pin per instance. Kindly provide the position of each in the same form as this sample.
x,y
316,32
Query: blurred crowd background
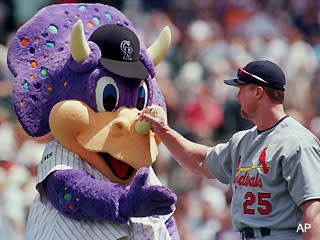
x,y
210,40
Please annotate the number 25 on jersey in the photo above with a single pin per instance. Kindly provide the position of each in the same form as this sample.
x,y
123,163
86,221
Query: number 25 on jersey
x,y
264,206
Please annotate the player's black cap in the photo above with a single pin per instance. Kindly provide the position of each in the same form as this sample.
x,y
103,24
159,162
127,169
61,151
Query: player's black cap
x,y
120,48
264,73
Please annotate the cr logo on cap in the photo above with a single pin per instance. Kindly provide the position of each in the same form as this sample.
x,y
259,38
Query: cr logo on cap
x,y
126,49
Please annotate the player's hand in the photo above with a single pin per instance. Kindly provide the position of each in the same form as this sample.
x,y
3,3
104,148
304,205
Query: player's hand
x,y
156,116
141,200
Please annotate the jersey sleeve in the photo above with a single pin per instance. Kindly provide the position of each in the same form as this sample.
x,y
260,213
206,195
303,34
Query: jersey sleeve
x,y
219,162
301,171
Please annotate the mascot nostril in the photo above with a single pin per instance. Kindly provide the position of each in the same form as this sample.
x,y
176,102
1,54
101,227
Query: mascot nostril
x,y
121,127
87,68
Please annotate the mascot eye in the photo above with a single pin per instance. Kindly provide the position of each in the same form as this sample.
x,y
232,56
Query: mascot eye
x,y
142,95
107,94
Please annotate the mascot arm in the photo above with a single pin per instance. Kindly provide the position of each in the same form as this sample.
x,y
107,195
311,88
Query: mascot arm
x,y
78,195
172,228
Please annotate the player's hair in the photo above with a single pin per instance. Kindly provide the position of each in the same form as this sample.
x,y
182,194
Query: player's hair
x,y
276,96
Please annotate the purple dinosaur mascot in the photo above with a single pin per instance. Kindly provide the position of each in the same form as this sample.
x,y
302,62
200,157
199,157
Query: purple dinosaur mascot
x,y
83,74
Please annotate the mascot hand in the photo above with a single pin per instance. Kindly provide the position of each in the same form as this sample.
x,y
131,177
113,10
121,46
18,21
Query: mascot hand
x,y
141,200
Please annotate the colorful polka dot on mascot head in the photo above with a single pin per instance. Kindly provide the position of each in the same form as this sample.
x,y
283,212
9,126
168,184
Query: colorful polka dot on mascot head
x,y
83,73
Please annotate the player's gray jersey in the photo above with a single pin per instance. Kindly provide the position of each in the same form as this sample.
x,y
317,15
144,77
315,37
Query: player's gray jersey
x,y
46,223
272,173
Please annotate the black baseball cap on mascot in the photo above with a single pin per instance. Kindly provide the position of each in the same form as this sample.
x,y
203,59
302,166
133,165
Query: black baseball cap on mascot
x,y
120,48
263,73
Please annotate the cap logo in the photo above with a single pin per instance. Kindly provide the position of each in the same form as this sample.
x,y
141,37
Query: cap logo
x,y
126,49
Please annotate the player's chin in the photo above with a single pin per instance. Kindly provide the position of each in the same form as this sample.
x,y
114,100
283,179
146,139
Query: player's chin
x,y
244,114
250,117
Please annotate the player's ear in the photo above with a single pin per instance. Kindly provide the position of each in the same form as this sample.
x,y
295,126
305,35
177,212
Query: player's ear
x,y
259,92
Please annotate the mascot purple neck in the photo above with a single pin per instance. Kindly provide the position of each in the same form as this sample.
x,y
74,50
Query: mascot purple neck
x,y
83,74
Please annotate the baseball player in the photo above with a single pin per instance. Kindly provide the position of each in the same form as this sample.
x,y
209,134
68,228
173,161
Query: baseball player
x,y
274,167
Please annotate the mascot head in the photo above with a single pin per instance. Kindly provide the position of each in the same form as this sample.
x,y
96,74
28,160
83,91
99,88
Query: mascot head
x,y
83,73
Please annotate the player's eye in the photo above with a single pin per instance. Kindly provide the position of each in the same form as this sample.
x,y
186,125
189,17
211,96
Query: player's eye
x,y
142,95
107,94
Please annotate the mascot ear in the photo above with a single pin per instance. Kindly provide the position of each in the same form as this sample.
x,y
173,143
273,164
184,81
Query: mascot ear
x,y
158,50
